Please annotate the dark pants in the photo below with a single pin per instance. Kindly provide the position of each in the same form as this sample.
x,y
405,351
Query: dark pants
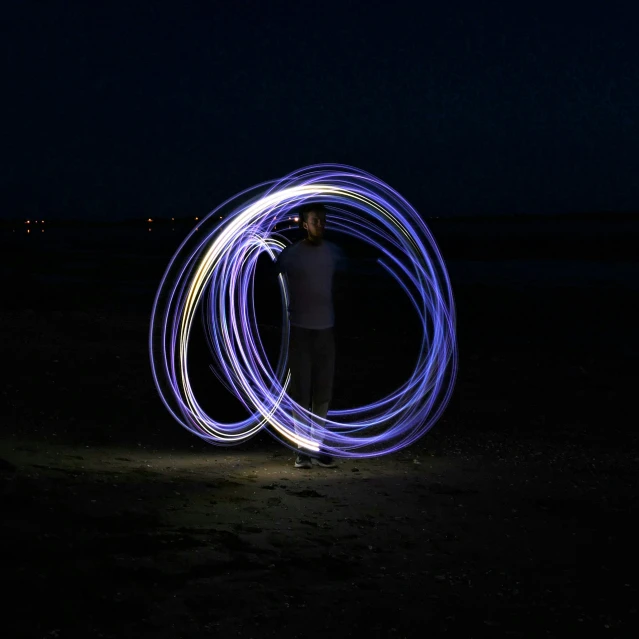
x,y
311,359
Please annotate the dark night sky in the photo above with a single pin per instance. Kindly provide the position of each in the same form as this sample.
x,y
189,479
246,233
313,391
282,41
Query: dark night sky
x,y
124,109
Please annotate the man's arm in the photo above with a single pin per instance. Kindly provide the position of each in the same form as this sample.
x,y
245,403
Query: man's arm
x,y
341,259
281,262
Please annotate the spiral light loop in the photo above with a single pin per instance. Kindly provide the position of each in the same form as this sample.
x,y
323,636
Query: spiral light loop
x,y
214,270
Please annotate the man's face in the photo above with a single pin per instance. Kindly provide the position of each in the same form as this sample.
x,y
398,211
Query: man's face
x,y
314,225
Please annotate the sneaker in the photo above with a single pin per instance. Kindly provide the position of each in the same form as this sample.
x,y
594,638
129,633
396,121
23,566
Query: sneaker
x,y
303,461
326,461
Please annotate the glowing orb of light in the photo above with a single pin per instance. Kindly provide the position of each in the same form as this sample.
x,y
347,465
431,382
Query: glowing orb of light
x,y
213,270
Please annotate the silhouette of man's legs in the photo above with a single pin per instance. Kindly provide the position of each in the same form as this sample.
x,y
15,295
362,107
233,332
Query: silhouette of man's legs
x,y
312,364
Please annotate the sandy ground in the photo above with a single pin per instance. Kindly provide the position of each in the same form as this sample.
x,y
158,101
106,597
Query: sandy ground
x,y
512,517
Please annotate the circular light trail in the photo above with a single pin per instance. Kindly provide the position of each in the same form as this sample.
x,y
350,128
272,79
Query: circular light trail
x,y
212,274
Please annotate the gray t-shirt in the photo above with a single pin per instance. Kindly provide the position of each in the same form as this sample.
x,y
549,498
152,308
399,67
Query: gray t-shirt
x,y
309,270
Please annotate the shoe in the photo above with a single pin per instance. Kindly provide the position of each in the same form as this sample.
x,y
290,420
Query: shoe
x,y
326,461
303,461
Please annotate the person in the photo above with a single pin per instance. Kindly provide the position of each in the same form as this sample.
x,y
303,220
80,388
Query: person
x,y
309,266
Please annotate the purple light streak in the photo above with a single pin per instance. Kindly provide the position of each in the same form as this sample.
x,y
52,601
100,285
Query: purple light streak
x,y
213,271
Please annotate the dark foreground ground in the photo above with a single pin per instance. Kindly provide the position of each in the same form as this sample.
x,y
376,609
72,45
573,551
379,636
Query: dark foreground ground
x,y
513,517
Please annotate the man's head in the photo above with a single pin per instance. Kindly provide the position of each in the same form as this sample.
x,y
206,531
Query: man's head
x,y
313,221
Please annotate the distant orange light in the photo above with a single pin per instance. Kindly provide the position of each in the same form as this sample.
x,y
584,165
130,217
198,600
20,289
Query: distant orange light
x,y
28,230
197,218
149,220
297,219
172,219
28,222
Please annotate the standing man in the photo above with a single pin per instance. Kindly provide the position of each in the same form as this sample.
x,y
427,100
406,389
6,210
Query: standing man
x,y
309,266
